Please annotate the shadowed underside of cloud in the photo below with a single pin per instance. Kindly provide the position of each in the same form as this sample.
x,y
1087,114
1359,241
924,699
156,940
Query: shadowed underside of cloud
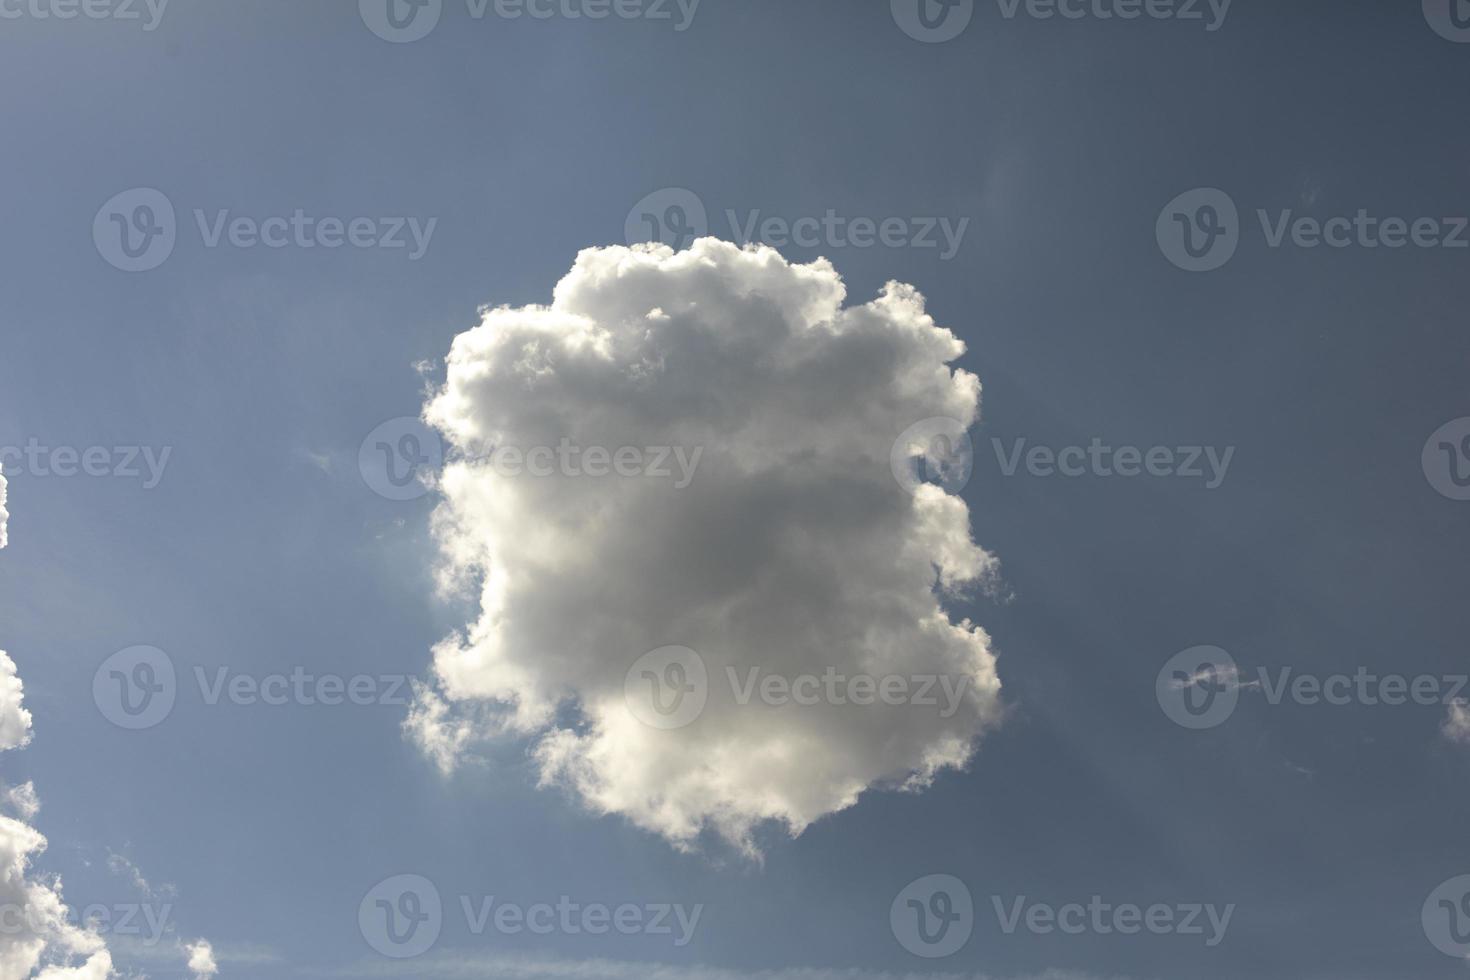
x,y
792,549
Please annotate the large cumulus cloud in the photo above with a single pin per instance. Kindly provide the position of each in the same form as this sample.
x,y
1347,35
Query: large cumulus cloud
x,y
792,550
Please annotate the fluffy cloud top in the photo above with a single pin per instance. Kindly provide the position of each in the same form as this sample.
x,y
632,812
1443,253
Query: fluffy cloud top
x,y
201,959
792,550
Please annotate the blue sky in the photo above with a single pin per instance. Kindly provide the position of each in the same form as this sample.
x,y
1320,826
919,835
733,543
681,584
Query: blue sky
x,y
1040,155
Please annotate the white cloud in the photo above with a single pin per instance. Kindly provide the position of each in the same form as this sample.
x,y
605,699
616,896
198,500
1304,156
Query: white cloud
x,y
792,550
4,514
15,720
201,959
1457,724
123,866
21,801
38,934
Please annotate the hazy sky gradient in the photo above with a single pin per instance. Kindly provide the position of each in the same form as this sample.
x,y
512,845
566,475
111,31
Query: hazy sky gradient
x,y
1324,549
